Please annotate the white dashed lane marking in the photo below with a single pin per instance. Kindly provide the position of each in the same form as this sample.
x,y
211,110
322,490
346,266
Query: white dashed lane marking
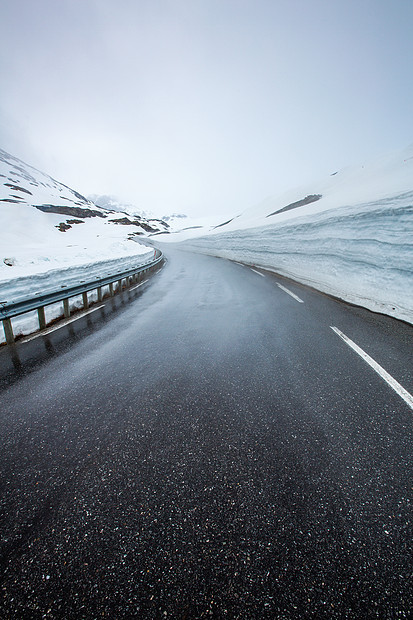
x,y
260,274
399,389
293,295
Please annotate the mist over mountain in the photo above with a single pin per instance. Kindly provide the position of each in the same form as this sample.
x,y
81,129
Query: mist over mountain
x,y
112,203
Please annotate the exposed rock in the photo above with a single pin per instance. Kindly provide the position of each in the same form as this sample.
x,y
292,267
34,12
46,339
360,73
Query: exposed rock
x,y
219,225
300,203
161,222
146,227
63,227
64,210
135,234
17,188
125,222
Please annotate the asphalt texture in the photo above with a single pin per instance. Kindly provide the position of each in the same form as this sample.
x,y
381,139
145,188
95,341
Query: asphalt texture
x,y
207,447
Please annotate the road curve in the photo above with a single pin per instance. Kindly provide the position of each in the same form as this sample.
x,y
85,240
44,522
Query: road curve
x,y
209,447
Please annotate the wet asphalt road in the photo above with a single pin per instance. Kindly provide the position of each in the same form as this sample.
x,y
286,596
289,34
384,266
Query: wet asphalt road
x,y
208,447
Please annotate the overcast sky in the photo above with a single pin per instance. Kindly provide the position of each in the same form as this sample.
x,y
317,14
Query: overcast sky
x,y
203,106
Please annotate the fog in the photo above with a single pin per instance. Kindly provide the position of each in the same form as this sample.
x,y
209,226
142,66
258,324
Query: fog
x,y
203,106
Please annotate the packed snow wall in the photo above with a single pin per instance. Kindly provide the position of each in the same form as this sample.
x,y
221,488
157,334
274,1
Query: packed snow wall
x,y
25,287
362,254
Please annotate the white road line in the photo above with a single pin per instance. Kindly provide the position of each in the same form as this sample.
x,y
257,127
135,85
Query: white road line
x,y
407,397
138,285
48,330
260,274
290,293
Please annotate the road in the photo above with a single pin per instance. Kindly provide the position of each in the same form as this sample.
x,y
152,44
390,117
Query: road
x,y
208,447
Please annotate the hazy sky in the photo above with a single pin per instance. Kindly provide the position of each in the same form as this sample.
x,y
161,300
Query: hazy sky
x,y
203,106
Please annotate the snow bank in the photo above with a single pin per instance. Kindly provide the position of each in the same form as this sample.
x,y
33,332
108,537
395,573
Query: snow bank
x,y
35,247
352,253
46,272
355,242
45,260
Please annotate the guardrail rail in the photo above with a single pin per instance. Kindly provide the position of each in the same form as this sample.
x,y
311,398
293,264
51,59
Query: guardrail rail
x,y
132,276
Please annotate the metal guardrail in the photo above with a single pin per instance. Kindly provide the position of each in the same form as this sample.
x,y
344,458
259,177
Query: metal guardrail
x,y
8,311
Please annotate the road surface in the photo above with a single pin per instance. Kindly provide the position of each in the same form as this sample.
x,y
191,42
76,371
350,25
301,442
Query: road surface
x,y
209,447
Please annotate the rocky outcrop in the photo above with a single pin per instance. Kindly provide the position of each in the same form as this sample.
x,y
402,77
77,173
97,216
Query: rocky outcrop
x,y
66,210
300,203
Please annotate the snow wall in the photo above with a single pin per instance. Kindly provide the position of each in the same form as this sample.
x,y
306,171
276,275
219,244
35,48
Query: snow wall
x,y
362,254
25,287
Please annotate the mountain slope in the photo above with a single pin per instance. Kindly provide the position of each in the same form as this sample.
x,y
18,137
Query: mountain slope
x,y
45,225
24,185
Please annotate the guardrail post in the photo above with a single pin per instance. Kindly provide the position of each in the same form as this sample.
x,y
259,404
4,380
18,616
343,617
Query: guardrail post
x,y
119,286
42,318
99,293
85,301
8,331
111,289
66,308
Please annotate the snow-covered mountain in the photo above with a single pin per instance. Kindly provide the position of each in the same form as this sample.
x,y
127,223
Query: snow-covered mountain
x,y
49,233
23,185
350,235
46,225
51,236
147,220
